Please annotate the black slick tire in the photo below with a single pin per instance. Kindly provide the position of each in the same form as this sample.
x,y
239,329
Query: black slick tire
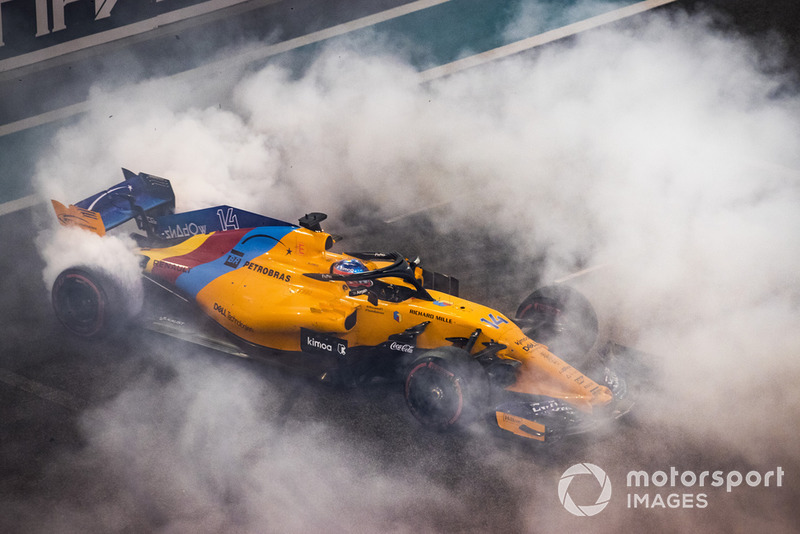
x,y
446,388
563,319
87,302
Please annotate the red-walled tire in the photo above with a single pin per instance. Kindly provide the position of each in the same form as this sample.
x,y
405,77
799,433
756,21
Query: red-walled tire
x,y
88,303
446,388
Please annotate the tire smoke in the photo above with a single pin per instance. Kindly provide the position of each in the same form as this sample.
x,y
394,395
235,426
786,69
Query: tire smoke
x,y
660,150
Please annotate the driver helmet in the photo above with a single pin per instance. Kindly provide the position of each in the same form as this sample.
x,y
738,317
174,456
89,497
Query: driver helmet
x,y
351,267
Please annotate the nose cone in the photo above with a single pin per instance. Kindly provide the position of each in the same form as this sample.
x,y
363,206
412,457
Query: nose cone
x,y
544,373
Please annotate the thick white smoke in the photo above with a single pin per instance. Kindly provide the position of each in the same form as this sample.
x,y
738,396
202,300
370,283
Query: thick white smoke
x,y
662,152
66,247
198,448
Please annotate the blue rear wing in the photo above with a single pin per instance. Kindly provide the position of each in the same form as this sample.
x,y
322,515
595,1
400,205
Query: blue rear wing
x,y
142,196
151,202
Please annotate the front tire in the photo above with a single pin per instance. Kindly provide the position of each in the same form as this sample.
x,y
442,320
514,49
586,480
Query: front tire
x,y
446,388
87,302
561,318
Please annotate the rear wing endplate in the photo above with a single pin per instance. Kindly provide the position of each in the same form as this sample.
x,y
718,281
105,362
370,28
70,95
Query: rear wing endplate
x,y
74,216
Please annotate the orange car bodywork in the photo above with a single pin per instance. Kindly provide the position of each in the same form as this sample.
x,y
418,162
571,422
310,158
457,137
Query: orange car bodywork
x,y
265,299
268,283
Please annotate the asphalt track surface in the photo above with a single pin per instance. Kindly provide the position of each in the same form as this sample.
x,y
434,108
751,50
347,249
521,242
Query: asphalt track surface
x,y
95,438
145,433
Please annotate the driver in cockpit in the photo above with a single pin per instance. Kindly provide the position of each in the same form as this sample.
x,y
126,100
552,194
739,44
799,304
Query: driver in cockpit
x,y
348,267
375,289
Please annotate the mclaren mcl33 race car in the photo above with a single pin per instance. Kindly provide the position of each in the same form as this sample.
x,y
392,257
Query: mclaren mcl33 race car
x,y
274,290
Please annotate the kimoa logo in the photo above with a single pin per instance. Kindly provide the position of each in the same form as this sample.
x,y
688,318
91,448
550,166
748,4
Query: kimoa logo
x,y
318,344
602,498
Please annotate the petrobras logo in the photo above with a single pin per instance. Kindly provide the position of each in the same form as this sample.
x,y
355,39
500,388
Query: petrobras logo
x,y
234,259
604,490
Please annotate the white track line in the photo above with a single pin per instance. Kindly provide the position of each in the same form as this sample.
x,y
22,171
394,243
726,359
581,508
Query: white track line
x,y
342,29
19,204
541,39
241,60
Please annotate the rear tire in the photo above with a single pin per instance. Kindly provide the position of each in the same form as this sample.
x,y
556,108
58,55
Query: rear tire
x,y
561,318
446,388
87,302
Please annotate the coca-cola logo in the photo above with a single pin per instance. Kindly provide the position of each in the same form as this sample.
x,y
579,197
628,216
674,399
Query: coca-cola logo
x,y
402,347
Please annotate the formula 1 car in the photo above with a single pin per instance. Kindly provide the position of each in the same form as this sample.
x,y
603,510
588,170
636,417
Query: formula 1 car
x,y
275,290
